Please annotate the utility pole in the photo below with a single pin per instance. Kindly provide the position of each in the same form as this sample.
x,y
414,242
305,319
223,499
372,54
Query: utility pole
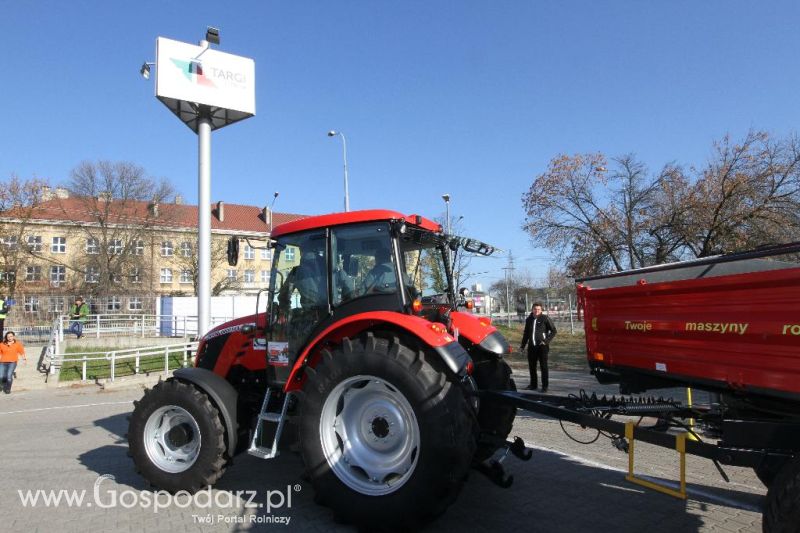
x,y
509,268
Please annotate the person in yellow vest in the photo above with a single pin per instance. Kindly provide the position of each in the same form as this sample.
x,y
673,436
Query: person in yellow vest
x,y
3,313
10,351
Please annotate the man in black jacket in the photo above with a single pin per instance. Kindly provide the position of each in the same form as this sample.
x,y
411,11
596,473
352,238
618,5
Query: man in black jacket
x,y
539,331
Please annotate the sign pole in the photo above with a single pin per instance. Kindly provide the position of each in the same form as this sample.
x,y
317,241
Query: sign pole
x,y
204,222
206,89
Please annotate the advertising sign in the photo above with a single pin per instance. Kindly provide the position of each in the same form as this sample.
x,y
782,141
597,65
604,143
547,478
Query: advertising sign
x,y
189,76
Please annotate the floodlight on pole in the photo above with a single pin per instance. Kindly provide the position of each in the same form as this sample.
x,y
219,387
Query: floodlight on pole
x,y
145,70
334,133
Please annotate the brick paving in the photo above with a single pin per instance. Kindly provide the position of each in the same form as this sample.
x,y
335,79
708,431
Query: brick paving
x,y
62,438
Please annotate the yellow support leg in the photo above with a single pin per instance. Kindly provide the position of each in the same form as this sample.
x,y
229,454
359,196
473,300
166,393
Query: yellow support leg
x,y
690,436
680,447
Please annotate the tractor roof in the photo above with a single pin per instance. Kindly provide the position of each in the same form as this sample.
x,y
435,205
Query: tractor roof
x,y
351,217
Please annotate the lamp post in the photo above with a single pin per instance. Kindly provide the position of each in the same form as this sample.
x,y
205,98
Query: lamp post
x,y
446,198
334,133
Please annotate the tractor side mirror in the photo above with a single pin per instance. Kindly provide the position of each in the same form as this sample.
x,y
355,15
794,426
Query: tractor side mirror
x,y
233,251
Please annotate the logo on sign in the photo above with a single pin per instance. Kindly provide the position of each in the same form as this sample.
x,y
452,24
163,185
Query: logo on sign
x,y
192,71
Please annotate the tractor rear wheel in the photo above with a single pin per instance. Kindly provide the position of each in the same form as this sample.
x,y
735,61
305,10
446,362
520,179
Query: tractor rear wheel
x,y
782,508
386,433
176,437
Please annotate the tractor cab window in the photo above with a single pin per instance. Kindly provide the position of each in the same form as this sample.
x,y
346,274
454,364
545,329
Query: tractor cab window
x,y
363,261
423,262
300,287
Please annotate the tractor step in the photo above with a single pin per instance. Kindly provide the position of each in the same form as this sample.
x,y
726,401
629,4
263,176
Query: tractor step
x,y
271,417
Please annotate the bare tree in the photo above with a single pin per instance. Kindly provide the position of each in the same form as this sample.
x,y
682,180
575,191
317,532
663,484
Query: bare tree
x,y
219,256
120,205
596,220
565,205
18,200
747,195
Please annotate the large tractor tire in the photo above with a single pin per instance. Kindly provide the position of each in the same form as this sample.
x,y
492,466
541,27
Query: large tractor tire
x,y
176,438
386,433
782,508
495,418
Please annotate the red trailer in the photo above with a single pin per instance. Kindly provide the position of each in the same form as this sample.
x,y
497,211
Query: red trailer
x,y
729,325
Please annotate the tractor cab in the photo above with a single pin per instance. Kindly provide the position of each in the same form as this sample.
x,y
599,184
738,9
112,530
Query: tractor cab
x,y
328,268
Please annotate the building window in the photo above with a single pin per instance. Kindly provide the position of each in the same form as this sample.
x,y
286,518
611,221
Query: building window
x,y
166,275
8,276
249,253
34,243
92,275
186,249
266,254
135,276
10,242
232,273
31,304
265,276
33,273
113,303
115,247
56,304
249,276
59,245
134,303
92,246
288,255
166,249
137,247
186,276
58,274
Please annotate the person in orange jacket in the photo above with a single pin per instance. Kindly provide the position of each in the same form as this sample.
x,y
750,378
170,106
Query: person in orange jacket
x,y
10,351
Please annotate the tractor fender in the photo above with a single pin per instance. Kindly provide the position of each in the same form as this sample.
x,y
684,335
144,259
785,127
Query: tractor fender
x,y
481,332
222,394
433,334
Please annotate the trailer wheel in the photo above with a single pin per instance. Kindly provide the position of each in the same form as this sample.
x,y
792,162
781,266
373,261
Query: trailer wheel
x,y
176,438
782,509
768,470
494,418
386,433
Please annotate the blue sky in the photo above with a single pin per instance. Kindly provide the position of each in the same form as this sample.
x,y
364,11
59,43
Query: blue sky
x,y
464,97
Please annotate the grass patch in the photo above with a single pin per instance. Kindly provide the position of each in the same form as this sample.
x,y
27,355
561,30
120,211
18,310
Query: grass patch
x,y
71,369
567,351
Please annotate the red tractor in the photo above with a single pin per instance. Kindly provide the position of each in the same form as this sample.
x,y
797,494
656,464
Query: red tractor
x,y
375,380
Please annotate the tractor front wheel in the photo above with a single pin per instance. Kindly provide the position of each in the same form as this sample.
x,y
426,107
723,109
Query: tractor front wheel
x,y
385,432
176,438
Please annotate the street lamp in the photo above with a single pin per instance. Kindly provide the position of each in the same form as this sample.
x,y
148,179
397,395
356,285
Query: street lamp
x,y
446,198
333,133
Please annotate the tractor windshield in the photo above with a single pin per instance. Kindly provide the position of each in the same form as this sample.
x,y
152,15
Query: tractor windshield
x,y
424,255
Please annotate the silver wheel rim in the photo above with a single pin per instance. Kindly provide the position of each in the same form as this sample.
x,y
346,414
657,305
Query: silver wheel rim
x,y
370,436
172,439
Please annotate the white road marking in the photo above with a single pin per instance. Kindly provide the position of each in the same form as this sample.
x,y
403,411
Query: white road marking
x,y
63,407
692,491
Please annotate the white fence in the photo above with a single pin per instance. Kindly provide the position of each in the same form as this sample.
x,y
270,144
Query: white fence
x,y
137,325
187,350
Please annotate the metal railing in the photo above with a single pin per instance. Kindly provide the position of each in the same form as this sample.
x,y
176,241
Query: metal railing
x,y
183,351
137,325
49,351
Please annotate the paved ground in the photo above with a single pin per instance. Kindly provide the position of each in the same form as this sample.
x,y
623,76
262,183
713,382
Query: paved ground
x,y
66,438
